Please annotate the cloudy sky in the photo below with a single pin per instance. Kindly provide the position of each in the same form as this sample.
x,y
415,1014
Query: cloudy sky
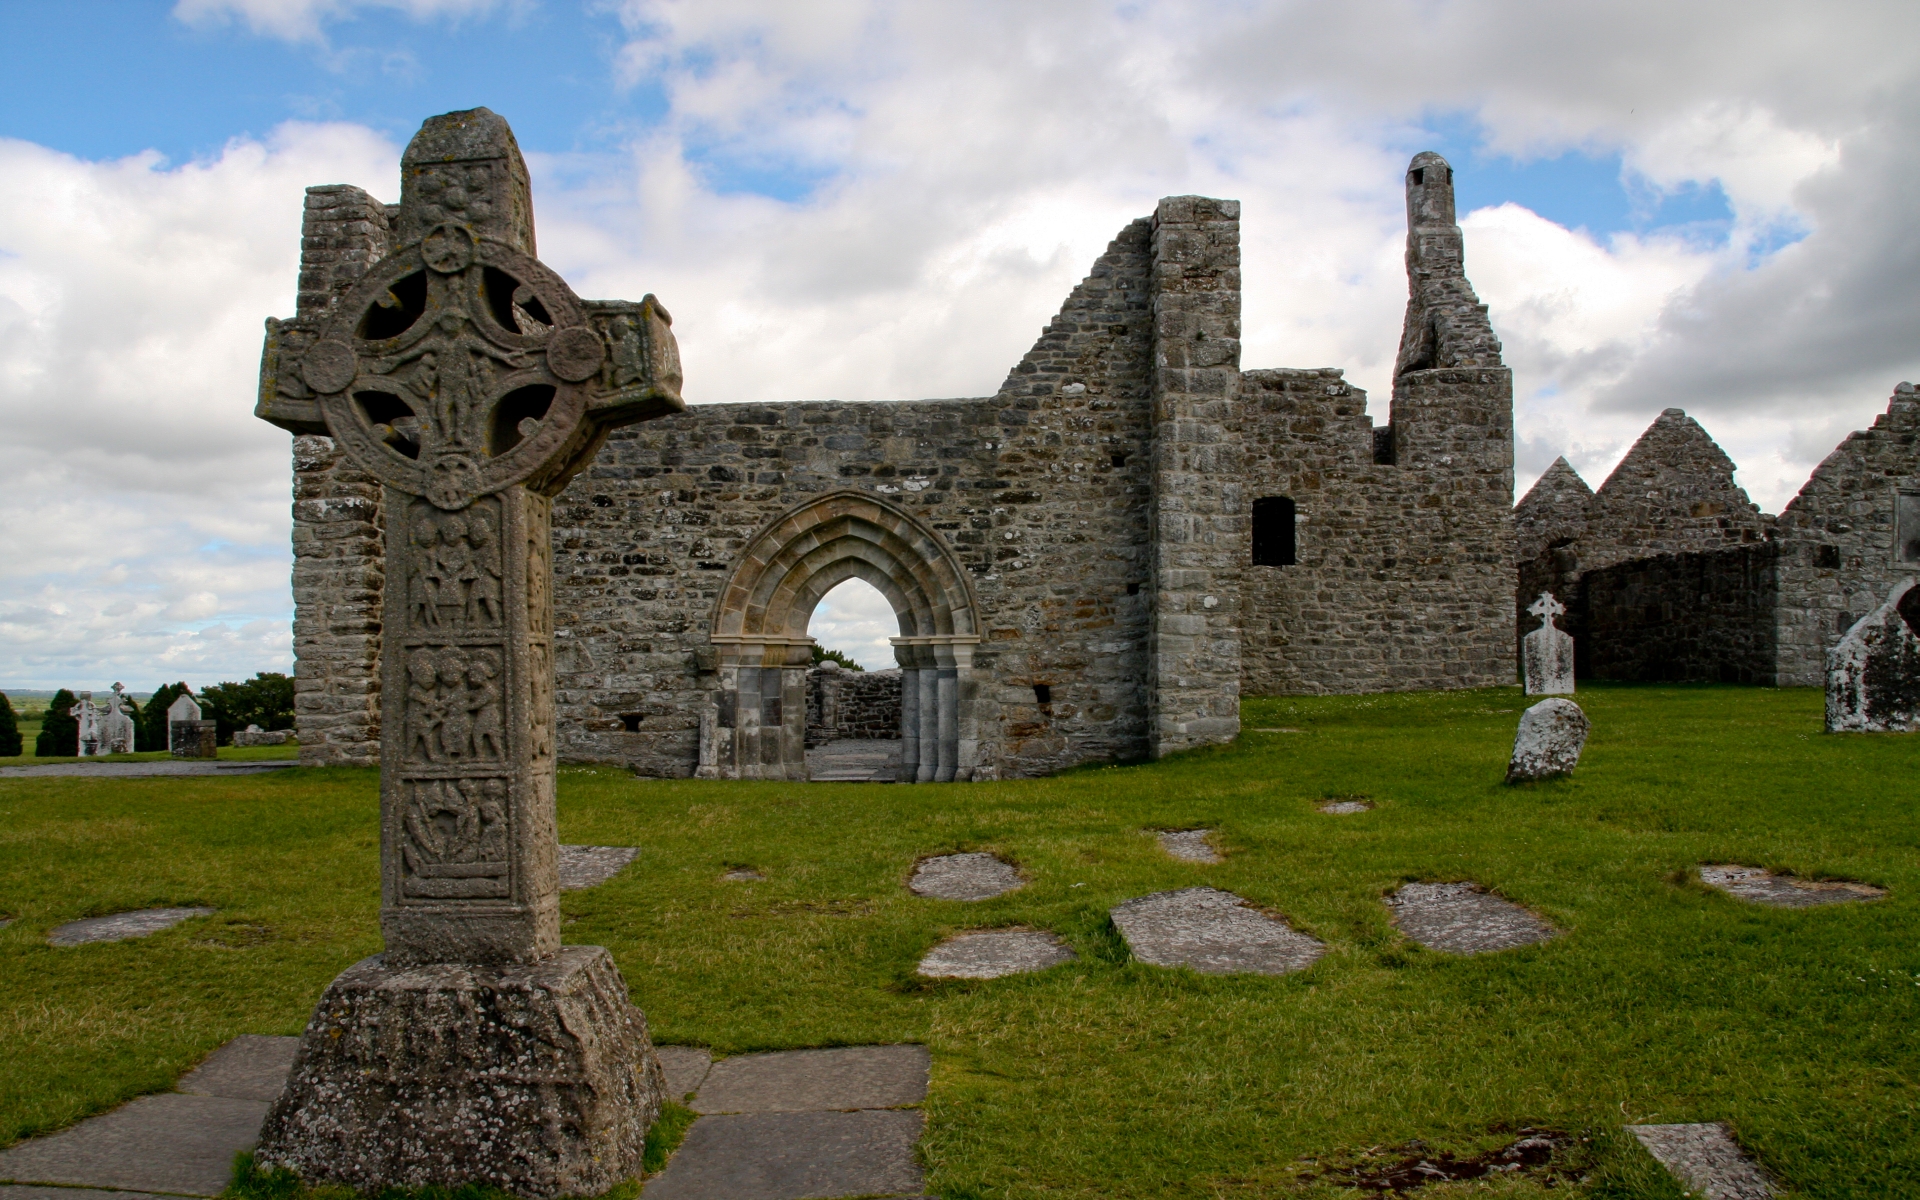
x,y
1666,204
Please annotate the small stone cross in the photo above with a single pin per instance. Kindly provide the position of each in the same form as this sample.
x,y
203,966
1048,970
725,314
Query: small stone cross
x,y
1546,608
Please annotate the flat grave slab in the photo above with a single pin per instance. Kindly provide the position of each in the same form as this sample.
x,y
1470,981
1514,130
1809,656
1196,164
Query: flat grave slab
x,y
1213,932
1189,845
1463,918
855,760
964,877
119,927
28,1191
1705,1158
790,1081
1760,886
743,875
583,867
992,953
250,1067
791,1155
165,1143
686,1069
1341,808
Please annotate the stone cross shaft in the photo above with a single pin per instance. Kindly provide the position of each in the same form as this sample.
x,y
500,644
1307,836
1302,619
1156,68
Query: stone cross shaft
x,y
470,380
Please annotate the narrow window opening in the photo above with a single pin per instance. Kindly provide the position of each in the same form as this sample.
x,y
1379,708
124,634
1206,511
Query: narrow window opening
x,y
1827,557
1383,445
1119,460
1133,589
1273,532
1420,175
631,721
1042,694
1842,621
1907,527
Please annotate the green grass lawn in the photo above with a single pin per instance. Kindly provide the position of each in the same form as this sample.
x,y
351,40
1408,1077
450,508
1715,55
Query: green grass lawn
x,y
1663,1002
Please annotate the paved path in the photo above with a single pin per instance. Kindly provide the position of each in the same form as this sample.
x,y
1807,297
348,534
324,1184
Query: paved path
x,y
855,760
800,1123
137,770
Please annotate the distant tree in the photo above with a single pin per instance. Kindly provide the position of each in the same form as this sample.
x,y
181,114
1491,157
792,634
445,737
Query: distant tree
x,y
265,700
59,731
822,655
9,729
152,729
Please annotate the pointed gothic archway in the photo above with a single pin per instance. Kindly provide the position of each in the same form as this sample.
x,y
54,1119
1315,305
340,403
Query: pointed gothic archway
x,y
756,726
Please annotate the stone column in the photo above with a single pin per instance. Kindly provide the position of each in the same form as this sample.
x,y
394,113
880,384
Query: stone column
x,y
467,379
1199,513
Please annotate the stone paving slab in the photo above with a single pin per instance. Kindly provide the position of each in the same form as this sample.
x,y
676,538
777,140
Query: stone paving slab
x,y
583,867
1189,845
793,1155
1213,932
1463,918
1341,808
789,1081
137,770
167,1143
250,1067
855,760
1706,1159
121,926
1760,886
964,877
686,1069
743,875
992,953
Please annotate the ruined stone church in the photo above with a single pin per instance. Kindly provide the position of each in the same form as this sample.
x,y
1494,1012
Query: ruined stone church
x,y
1093,563
1670,572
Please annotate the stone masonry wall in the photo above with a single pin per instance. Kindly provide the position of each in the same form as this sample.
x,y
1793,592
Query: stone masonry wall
x,y
1403,580
1843,541
1040,489
851,704
1706,617
337,520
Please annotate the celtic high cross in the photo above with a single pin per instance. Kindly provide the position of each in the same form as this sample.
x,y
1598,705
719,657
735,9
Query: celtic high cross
x,y
467,378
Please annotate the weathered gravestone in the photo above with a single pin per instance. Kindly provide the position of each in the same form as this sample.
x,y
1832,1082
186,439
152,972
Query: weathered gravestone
x,y
1548,742
88,717
467,377
1873,674
187,735
1548,651
116,724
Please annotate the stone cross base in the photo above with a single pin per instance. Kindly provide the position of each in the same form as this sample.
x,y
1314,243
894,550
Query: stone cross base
x,y
535,1078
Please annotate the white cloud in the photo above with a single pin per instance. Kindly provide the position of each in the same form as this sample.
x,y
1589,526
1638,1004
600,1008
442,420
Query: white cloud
x,y
146,515
855,619
954,170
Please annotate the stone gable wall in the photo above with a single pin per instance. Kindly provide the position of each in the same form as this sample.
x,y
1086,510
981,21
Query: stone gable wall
x,y
1839,557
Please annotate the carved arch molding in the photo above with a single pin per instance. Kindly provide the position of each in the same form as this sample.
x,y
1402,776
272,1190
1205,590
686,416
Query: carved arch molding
x,y
755,725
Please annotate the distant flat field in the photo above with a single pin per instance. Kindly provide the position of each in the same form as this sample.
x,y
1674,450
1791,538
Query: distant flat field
x,y
1662,1000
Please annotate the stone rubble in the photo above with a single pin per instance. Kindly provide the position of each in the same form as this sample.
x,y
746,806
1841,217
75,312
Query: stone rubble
x,y
1548,742
1213,932
1705,1158
253,735
964,877
1760,886
992,953
1463,918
